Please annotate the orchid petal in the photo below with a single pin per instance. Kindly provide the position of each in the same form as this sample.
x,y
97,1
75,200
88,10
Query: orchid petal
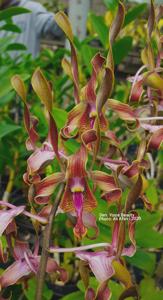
x,y
73,121
89,221
64,23
41,157
99,263
42,88
14,273
136,91
90,294
79,229
52,266
124,111
156,139
46,187
103,292
7,217
19,87
89,91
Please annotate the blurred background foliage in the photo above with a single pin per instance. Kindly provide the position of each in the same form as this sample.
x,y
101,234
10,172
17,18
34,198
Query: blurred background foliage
x,y
146,265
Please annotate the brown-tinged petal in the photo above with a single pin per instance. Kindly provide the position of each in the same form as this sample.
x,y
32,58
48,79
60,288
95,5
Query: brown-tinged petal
x,y
117,23
104,181
19,87
130,251
89,91
105,89
64,23
124,111
88,137
136,91
103,292
146,202
42,88
77,164
52,266
3,254
129,292
134,193
156,139
90,201
151,19
90,294
45,188
73,122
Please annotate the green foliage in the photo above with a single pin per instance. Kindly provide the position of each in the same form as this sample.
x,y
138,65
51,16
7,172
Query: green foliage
x,y
31,291
111,4
121,49
134,13
6,129
100,28
12,11
149,291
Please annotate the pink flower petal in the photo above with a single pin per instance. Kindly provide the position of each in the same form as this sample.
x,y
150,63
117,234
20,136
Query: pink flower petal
x,y
99,262
6,217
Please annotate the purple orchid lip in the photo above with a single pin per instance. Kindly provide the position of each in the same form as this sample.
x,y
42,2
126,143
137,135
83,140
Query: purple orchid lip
x,y
76,249
26,213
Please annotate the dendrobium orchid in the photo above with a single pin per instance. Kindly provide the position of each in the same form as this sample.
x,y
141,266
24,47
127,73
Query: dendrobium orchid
x,y
107,263
78,196
27,263
7,216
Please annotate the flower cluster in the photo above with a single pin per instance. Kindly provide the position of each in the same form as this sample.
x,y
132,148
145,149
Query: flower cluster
x,y
88,169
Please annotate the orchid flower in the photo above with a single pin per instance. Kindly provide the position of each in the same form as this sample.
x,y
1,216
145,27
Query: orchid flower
x,y
7,216
88,114
78,196
107,262
27,263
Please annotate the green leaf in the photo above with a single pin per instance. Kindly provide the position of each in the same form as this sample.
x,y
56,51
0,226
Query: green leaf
x,y
146,234
16,47
121,49
87,53
134,13
143,260
6,98
151,192
6,129
31,291
11,27
100,28
12,11
111,4
148,290
60,116
74,296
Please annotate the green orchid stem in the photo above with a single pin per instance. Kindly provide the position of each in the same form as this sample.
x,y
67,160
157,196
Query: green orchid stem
x,y
45,246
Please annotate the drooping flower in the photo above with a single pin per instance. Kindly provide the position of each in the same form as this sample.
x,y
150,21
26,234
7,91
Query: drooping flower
x,y
78,197
107,262
27,263
7,216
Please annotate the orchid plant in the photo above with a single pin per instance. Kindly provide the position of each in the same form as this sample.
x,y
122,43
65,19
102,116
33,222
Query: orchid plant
x,y
97,165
